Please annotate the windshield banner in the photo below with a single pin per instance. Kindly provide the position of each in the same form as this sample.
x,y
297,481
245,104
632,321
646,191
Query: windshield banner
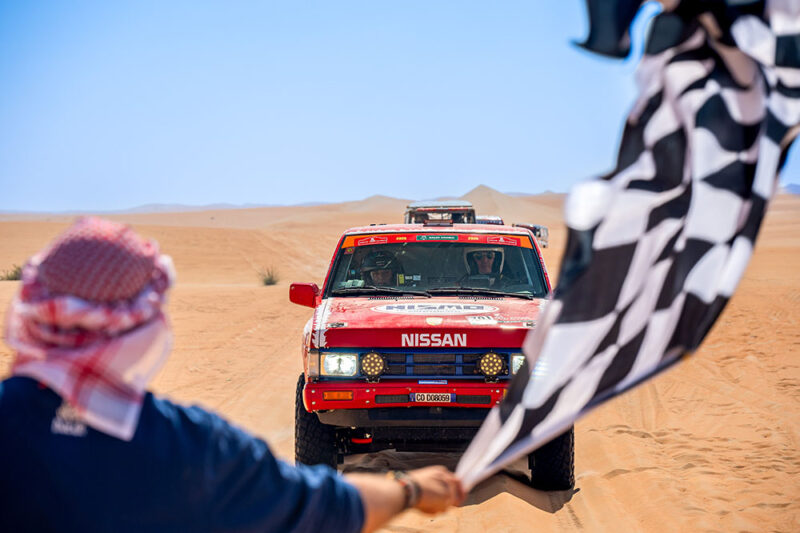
x,y
472,238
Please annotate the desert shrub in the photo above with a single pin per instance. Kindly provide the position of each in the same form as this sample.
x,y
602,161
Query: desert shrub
x,y
12,275
269,276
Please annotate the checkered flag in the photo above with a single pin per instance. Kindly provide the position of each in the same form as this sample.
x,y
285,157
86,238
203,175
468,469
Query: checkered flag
x,y
657,247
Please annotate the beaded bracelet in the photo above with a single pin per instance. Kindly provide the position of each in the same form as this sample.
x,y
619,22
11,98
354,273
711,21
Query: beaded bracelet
x,y
411,490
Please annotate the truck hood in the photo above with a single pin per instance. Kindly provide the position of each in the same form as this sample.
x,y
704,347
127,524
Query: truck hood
x,y
413,322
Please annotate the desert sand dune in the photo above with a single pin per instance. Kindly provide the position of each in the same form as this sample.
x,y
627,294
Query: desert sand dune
x,y
527,209
713,445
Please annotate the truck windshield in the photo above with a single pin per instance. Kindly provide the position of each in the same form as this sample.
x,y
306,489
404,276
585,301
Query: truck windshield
x,y
438,266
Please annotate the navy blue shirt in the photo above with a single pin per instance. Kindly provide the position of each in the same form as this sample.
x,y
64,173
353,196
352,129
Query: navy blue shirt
x,y
184,470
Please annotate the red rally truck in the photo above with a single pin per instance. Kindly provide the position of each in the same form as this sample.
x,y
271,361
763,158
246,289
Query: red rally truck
x,y
415,335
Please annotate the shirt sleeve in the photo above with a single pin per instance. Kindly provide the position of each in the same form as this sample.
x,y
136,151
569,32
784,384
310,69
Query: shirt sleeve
x,y
250,490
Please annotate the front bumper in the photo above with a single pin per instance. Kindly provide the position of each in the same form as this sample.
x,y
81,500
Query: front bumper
x,y
397,393
443,418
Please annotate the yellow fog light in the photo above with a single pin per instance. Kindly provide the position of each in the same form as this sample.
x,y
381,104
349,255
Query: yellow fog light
x,y
373,365
490,365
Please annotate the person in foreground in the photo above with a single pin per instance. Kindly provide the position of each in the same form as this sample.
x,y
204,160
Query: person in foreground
x,y
84,447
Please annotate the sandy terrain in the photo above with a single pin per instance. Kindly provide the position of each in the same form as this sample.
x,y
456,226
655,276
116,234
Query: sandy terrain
x,y
712,445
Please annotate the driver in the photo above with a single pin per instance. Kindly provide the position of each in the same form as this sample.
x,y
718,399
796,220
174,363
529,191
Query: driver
x,y
484,262
380,269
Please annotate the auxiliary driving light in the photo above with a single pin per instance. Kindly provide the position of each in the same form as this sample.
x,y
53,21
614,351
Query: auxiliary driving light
x,y
373,365
490,365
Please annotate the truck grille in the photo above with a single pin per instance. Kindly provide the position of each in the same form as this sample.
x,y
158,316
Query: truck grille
x,y
431,365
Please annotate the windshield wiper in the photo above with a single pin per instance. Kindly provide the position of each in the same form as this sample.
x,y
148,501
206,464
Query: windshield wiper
x,y
470,290
371,289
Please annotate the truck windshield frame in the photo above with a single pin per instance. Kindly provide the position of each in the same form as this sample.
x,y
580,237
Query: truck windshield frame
x,y
438,262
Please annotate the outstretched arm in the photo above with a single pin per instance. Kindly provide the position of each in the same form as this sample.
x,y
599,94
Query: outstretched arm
x,y
435,490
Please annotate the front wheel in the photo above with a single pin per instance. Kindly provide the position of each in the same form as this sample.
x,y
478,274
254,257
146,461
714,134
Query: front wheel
x,y
553,465
314,442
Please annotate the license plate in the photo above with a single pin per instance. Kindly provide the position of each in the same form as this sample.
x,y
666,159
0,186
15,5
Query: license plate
x,y
432,397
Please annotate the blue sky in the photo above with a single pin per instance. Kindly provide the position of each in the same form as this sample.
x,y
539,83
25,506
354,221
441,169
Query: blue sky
x,y
109,105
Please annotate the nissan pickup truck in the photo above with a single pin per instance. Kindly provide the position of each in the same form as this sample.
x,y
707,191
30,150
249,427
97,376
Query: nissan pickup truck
x,y
416,332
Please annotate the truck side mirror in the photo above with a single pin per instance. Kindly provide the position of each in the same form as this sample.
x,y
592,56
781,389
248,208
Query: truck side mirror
x,y
304,294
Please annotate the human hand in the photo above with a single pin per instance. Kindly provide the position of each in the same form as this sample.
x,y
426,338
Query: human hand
x,y
439,489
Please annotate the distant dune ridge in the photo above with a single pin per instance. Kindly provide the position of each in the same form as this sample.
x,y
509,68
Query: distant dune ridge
x,y
180,208
790,188
709,446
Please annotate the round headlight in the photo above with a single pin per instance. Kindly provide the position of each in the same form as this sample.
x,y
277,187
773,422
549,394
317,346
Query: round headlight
x,y
373,364
490,365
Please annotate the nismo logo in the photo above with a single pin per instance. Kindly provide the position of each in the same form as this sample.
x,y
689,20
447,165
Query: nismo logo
x,y
433,339
436,309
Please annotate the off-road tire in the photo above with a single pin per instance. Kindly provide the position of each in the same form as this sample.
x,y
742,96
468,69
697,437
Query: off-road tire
x,y
553,465
314,442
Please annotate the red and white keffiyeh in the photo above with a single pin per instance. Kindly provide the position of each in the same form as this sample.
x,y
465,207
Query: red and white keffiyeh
x,y
88,321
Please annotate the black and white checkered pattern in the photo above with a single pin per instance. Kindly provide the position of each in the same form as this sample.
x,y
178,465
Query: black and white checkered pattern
x,y
657,247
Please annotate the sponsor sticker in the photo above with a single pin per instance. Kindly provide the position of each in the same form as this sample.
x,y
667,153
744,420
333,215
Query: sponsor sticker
x,y
434,320
523,323
482,320
499,239
432,382
437,237
434,309
366,241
